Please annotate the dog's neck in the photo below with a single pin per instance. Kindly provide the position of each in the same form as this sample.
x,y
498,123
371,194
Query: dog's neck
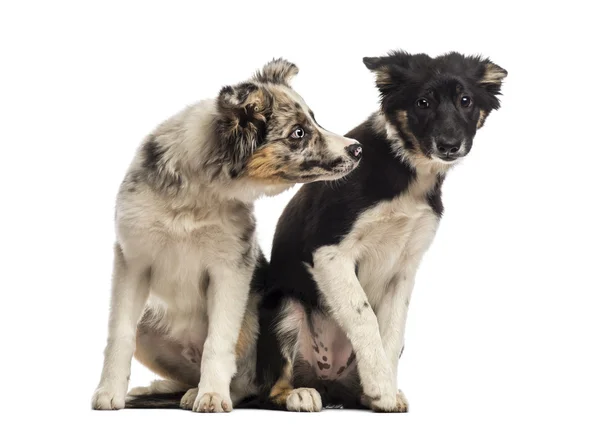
x,y
423,166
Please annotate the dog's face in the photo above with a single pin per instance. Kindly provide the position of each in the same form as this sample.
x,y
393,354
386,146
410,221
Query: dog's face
x,y
436,104
268,133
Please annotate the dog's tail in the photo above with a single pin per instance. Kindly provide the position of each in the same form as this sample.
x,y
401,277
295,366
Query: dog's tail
x,y
155,401
258,402
173,400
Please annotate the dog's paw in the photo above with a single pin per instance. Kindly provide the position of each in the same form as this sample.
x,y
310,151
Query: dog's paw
x,y
108,399
212,402
187,401
304,400
389,403
401,402
377,382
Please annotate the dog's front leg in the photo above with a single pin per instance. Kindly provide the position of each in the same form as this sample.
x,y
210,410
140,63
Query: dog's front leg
x,y
336,278
130,288
227,298
391,316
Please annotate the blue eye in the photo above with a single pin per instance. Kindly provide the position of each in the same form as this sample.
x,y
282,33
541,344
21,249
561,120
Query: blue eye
x,y
297,133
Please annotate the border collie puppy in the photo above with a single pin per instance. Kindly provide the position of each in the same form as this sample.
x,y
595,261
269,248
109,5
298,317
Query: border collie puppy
x,y
186,249
345,254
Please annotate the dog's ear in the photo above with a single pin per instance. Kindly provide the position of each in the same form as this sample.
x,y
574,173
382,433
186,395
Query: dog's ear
x,y
390,71
277,71
490,77
241,125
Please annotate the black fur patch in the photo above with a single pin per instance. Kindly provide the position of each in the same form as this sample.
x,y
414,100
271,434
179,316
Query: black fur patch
x,y
434,198
204,282
243,90
153,154
248,232
153,164
241,125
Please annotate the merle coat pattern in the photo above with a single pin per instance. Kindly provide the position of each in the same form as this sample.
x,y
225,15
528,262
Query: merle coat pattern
x,y
188,271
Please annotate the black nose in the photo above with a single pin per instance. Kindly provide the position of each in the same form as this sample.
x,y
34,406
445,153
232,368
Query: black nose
x,y
447,148
355,151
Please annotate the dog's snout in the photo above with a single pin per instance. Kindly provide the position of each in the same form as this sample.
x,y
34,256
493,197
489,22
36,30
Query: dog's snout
x,y
355,151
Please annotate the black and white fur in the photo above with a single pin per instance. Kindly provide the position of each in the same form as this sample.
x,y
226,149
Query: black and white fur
x,y
186,250
345,255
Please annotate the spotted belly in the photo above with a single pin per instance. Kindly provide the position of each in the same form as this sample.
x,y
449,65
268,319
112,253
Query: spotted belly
x,y
325,348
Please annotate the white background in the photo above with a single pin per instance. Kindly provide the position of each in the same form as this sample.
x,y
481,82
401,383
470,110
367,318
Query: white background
x,y
503,331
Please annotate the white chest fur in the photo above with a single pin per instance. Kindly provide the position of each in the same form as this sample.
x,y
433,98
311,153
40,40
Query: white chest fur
x,y
388,241
386,244
182,245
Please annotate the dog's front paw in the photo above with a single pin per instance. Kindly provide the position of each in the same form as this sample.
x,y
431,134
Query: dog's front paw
x,y
389,403
374,389
304,400
108,399
212,402
401,402
187,401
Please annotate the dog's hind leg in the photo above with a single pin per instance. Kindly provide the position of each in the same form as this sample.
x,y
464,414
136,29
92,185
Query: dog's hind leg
x,y
131,281
179,366
168,358
284,396
286,320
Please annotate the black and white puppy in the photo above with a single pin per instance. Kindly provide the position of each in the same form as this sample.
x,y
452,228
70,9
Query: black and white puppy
x,y
345,255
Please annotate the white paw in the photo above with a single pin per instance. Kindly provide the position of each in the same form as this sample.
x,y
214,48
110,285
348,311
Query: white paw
x,y
390,403
401,402
212,402
379,388
187,401
108,399
304,400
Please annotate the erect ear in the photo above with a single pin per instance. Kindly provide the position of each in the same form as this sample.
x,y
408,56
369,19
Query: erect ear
x,y
491,77
243,111
277,71
389,70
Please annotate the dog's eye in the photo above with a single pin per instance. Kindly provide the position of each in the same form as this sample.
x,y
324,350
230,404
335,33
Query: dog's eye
x,y
297,133
422,103
465,101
